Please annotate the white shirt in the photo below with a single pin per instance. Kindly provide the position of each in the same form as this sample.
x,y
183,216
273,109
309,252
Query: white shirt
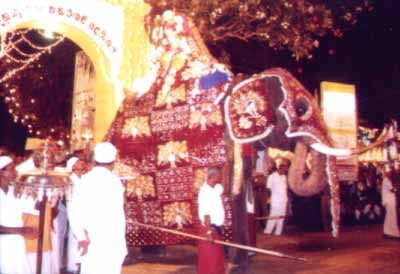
x,y
278,185
12,208
13,256
70,204
388,197
98,207
210,203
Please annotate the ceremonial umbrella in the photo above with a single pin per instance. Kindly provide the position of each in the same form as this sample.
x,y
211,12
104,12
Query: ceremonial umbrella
x,y
43,184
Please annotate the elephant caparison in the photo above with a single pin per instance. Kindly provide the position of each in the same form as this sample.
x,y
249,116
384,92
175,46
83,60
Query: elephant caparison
x,y
191,114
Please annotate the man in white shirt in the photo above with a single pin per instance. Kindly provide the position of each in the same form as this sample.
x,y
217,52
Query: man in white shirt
x,y
277,183
212,216
13,256
210,202
77,167
99,217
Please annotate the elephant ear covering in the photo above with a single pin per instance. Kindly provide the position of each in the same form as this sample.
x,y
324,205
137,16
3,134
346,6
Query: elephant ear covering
x,y
248,113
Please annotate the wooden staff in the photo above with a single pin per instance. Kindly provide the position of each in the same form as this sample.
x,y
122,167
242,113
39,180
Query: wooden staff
x,y
270,218
193,236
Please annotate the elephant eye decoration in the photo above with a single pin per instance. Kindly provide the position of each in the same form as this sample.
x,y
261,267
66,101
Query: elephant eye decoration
x,y
303,107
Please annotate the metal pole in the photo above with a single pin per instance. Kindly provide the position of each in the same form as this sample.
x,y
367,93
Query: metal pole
x,y
249,248
39,253
271,217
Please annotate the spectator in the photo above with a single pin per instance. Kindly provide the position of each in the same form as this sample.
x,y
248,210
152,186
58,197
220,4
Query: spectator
x,y
277,183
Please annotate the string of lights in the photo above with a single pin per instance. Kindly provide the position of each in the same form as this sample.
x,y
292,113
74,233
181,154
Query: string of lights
x,y
19,51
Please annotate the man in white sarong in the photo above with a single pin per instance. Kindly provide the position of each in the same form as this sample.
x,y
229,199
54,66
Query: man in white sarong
x,y
277,183
13,256
98,214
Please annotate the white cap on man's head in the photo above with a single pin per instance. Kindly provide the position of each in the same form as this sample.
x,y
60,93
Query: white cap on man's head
x,y
105,153
5,161
71,162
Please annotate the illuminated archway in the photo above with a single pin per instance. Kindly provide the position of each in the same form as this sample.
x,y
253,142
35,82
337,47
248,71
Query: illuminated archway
x,y
110,32
106,90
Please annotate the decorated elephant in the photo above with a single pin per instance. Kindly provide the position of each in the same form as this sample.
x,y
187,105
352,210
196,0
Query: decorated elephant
x,y
191,113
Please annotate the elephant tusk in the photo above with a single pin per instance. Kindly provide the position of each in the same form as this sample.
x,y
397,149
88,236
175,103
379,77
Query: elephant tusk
x,y
347,152
324,149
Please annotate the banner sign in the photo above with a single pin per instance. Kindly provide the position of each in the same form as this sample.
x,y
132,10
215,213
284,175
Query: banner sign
x,y
340,114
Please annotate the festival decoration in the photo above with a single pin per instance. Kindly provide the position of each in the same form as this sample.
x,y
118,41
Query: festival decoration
x,y
168,97
172,152
83,104
126,170
141,187
200,176
248,113
14,46
367,135
178,214
137,126
206,116
23,76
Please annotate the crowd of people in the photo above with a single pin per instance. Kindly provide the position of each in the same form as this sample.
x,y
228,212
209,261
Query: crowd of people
x,y
372,199
94,224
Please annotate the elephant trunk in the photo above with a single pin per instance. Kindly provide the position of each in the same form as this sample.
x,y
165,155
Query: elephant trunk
x,y
315,182
323,171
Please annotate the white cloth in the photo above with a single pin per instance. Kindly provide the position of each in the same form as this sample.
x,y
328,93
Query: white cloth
x,y
73,257
13,256
98,208
260,162
250,203
26,166
72,253
71,162
50,258
390,226
210,203
278,203
4,161
59,233
48,266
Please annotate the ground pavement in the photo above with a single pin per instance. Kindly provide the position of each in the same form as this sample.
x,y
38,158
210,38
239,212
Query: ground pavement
x,y
359,249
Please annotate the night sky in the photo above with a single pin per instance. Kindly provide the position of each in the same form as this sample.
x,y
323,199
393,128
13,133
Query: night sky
x,y
368,56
